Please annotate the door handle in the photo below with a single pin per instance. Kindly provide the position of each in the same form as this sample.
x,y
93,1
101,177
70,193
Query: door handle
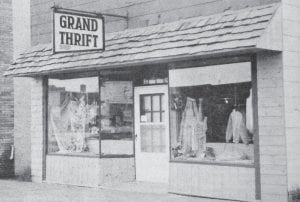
x,y
135,136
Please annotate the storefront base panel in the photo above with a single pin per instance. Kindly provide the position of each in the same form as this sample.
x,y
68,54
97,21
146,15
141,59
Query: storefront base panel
x,y
87,171
116,170
224,182
72,170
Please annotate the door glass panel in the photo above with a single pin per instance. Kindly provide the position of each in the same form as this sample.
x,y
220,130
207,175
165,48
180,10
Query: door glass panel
x,y
148,115
163,103
156,103
153,138
163,117
156,117
151,109
147,103
152,131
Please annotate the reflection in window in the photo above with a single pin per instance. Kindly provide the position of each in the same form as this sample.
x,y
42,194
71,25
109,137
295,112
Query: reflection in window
x,y
211,118
152,126
152,108
73,117
116,117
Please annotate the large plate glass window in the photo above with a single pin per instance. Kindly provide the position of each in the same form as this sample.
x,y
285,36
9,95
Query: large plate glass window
x,y
211,115
116,116
73,118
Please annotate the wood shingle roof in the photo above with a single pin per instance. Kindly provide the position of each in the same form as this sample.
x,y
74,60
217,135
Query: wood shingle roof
x,y
225,32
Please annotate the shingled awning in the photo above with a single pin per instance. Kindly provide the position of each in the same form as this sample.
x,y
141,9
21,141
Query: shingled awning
x,y
222,33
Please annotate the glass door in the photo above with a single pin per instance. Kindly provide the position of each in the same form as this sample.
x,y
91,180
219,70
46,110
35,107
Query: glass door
x,y
152,133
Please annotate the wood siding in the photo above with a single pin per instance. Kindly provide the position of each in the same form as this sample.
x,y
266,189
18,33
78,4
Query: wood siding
x,y
142,13
226,182
88,171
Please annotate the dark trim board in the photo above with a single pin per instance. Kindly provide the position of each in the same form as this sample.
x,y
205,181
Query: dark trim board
x,y
74,155
204,197
213,163
45,125
256,127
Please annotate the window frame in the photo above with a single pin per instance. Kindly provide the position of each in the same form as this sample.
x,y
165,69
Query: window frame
x,y
160,111
101,156
222,61
46,124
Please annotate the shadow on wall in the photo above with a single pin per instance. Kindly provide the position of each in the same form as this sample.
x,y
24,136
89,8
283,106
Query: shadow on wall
x,y
6,164
25,175
294,195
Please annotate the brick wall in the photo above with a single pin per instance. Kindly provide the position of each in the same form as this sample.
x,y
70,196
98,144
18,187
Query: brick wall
x,y
272,140
6,90
291,62
141,12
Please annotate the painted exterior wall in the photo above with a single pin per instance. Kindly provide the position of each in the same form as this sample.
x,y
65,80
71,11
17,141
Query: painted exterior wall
x,y
6,89
141,12
96,172
22,86
224,182
291,84
37,130
272,140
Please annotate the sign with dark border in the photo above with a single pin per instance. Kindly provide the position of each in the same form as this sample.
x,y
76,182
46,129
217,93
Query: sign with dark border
x,y
77,31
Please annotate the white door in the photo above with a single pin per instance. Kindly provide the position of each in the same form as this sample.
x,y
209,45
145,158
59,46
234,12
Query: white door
x,y
152,133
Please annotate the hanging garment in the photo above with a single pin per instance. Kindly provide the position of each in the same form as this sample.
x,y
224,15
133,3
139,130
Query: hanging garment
x,y
188,128
249,113
202,127
236,128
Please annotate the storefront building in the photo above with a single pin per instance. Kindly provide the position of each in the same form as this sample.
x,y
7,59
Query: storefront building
x,y
201,104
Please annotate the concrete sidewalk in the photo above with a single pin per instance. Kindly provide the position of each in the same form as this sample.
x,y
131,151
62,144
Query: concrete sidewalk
x,y
15,191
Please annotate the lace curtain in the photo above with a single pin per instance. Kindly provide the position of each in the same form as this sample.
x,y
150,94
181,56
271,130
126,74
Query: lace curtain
x,y
70,121
193,128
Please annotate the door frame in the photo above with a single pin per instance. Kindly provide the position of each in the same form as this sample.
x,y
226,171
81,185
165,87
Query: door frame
x,y
149,90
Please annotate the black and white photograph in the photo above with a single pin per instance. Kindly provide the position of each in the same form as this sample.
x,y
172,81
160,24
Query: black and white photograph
x,y
150,100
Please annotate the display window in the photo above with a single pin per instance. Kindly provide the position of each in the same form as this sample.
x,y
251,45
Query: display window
x,y
211,114
73,116
90,116
116,117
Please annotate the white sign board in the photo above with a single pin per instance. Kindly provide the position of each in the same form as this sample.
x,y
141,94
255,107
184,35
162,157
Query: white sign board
x,y
214,75
77,32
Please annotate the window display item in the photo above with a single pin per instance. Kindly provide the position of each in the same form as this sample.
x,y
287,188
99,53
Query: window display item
x,y
192,131
69,123
249,113
236,128
202,127
73,117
